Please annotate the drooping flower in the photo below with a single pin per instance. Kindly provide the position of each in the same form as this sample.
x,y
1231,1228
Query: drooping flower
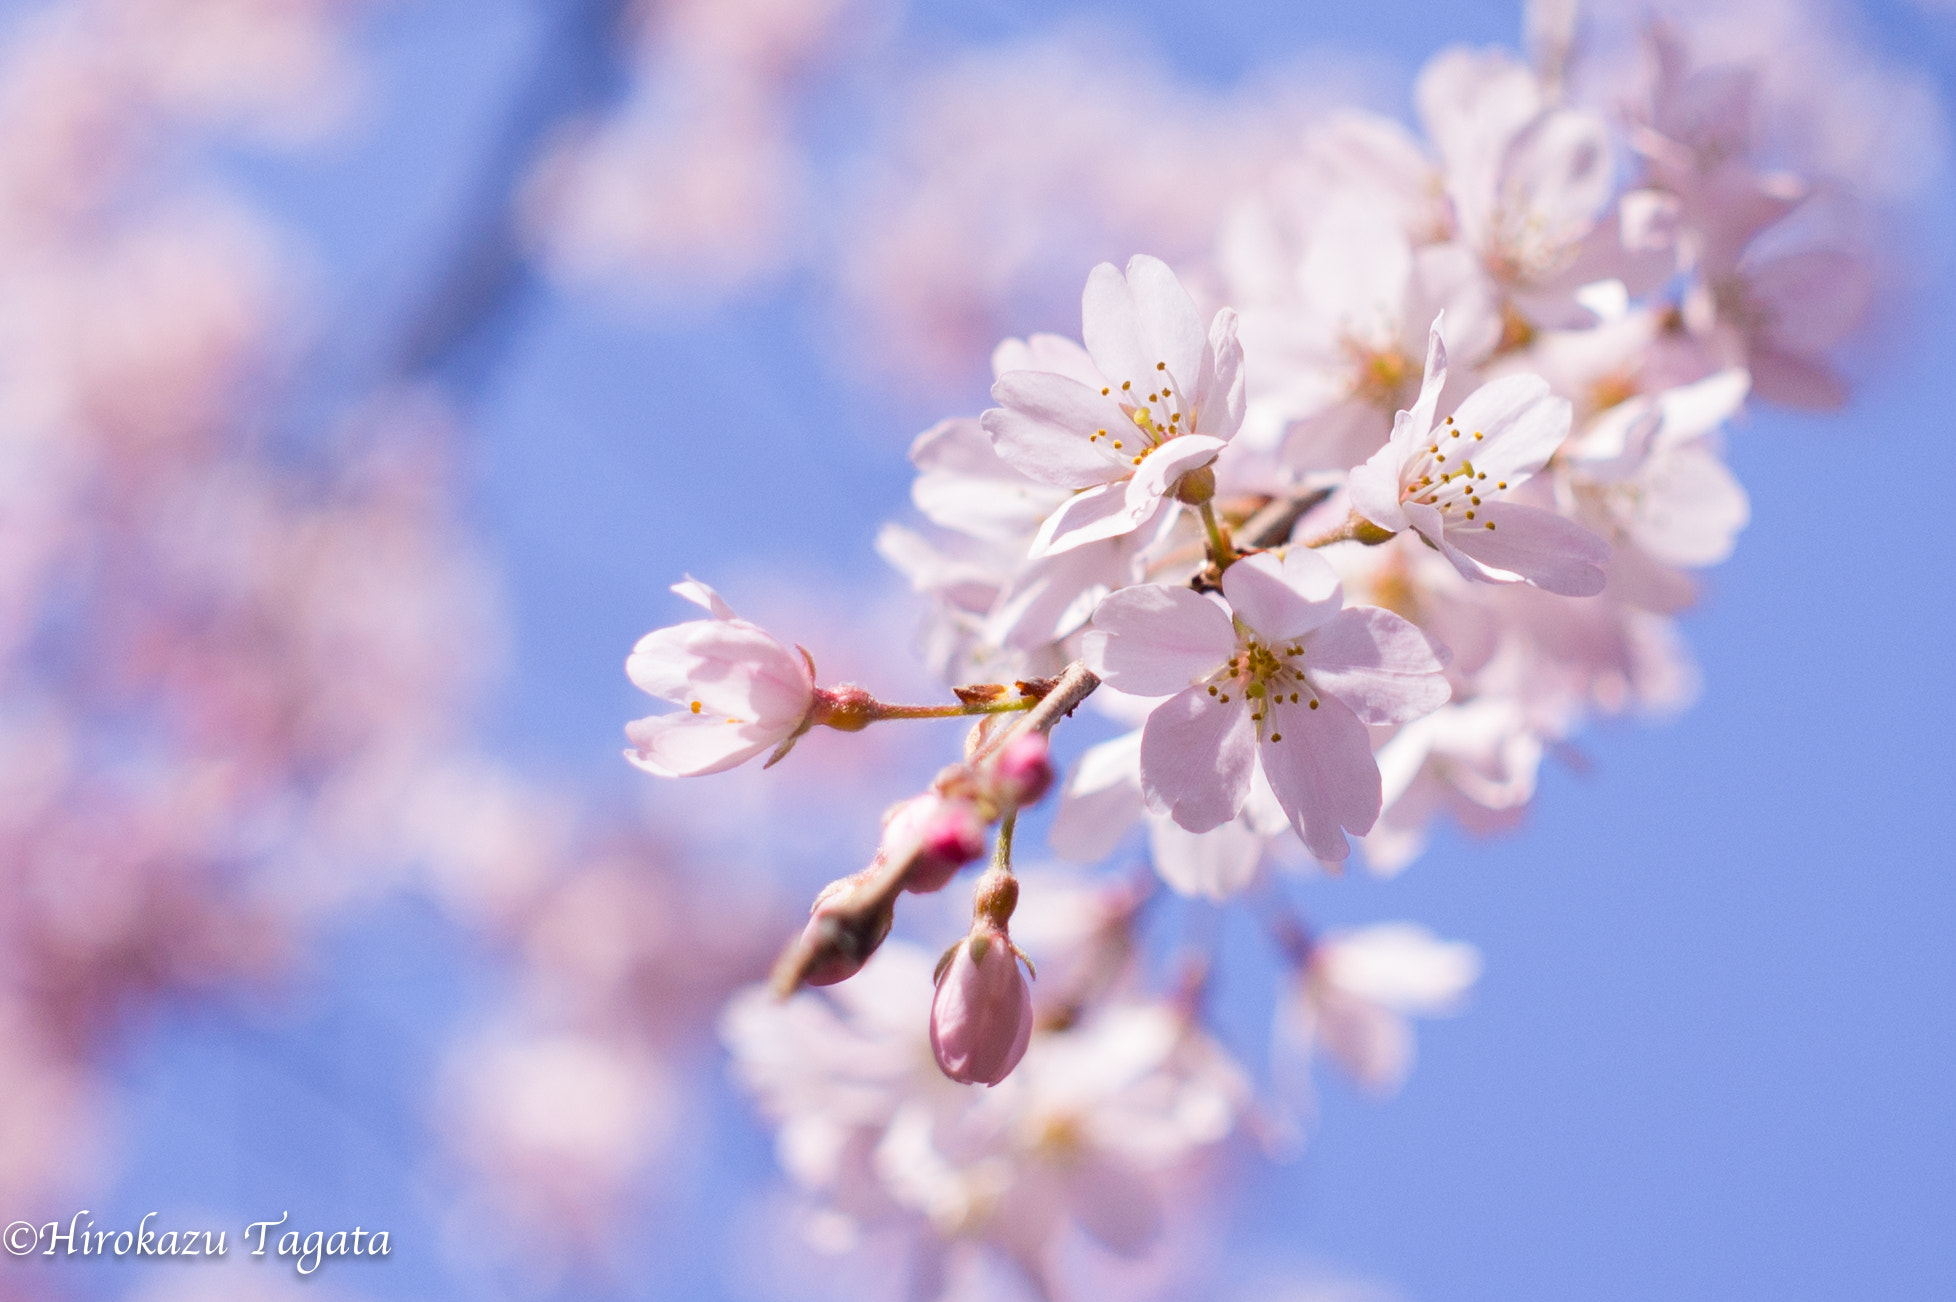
x,y
1447,481
981,1019
743,691
1150,401
1285,677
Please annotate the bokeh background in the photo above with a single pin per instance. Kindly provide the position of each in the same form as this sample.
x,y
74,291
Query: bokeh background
x,y
371,370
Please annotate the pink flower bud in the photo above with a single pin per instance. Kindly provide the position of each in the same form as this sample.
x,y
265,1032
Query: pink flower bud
x,y
843,934
981,1019
1023,771
936,836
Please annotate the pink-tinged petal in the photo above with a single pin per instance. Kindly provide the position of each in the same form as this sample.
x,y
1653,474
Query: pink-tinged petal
x,y
729,666
1536,546
1282,599
1319,762
1373,1044
1166,325
688,745
1213,865
1520,424
1159,470
1054,353
1052,597
1374,486
1108,325
1152,640
1432,381
1197,751
1091,516
1220,390
1809,383
1810,299
700,595
1380,665
1043,426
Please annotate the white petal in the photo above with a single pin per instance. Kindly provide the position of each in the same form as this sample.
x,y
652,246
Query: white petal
x,y
1520,423
1537,546
1196,756
729,666
701,595
1215,864
1380,665
1320,764
1152,640
686,745
1101,801
1220,392
1283,599
1043,425
1167,327
1401,966
1095,515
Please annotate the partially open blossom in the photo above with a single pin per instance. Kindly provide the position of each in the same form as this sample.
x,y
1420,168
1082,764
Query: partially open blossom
x,y
743,691
1447,481
1285,677
1151,400
981,1019
937,835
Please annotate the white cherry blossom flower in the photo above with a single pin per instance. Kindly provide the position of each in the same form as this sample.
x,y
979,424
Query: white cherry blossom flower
x,y
1358,988
1151,399
1284,677
1447,481
743,692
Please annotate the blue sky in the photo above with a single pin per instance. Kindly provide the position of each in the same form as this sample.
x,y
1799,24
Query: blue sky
x,y
1712,1054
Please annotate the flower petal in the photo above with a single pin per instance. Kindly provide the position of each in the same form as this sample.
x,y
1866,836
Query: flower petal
x,y
1152,640
1380,665
1096,514
1101,801
1320,764
1536,546
1520,424
1215,864
1167,327
1160,469
701,595
1220,389
1043,425
687,745
1283,599
729,666
1196,755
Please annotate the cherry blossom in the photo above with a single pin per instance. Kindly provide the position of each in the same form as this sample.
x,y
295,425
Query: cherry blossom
x,y
1357,988
1447,480
1284,677
1169,397
743,691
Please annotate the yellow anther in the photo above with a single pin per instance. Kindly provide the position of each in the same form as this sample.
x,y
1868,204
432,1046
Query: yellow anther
x,y
696,707
1126,385
1314,702
1502,484
1276,736
1490,524
1456,433
1137,461
1161,366
1470,515
1104,392
1117,443
1477,434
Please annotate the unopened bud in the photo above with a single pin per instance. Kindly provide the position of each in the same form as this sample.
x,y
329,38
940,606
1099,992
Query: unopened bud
x,y
981,1019
1023,771
936,836
841,936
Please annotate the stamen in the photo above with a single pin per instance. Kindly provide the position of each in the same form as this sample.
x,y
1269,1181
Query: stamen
x,y
696,707
1314,702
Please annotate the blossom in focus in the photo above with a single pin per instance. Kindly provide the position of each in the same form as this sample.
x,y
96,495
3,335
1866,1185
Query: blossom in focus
x,y
1446,482
1358,988
743,691
1285,677
1152,398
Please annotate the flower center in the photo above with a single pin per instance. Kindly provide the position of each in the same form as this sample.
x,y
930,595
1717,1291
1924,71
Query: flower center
x,y
1265,675
1156,419
1443,476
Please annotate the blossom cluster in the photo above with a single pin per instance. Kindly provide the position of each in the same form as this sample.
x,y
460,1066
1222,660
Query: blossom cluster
x,y
1351,523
